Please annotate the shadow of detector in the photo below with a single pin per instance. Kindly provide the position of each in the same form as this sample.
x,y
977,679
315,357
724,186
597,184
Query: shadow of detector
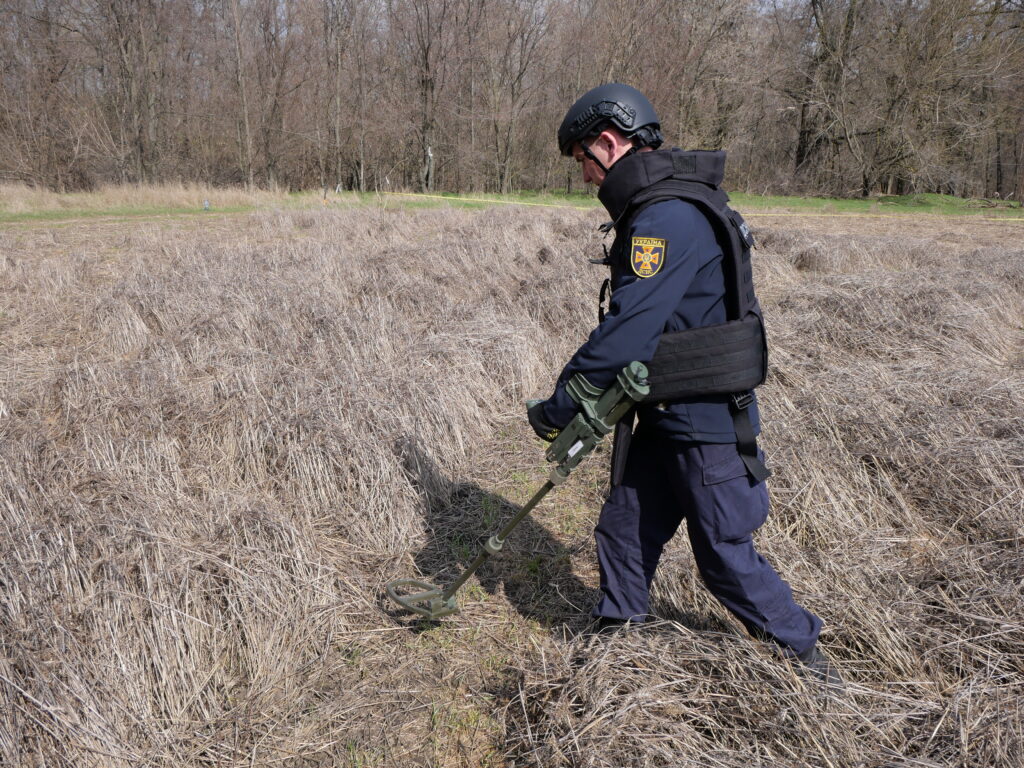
x,y
599,411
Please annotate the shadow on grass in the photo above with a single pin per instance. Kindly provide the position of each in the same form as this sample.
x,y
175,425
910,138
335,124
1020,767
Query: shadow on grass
x,y
533,570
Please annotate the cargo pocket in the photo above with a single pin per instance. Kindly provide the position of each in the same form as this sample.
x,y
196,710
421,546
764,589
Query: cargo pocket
x,y
735,504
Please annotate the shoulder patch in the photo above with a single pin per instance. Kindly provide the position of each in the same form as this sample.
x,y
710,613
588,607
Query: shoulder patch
x,y
648,255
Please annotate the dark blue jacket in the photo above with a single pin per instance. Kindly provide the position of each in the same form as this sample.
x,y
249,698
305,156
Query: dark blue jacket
x,y
687,291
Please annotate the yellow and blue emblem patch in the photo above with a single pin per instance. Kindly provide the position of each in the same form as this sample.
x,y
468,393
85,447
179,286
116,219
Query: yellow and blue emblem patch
x,y
648,255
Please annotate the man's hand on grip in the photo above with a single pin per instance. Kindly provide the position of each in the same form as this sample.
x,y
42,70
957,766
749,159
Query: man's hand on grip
x,y
535,414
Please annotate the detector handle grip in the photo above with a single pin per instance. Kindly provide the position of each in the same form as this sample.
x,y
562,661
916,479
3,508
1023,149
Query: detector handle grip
x,y
599,410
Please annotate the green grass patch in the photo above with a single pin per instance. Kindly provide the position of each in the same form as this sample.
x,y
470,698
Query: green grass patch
x,y
932,204
119,212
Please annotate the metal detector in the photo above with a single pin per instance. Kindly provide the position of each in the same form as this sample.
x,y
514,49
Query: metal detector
x,y
599,410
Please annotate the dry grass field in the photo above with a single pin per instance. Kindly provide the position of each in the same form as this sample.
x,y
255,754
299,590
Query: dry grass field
x,y
219,438
20,199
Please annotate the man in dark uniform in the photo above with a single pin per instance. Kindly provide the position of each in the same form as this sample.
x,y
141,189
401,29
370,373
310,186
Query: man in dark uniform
x,y
683,460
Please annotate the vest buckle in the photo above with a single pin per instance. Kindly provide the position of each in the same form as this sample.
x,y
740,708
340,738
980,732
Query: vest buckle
x,y
743,401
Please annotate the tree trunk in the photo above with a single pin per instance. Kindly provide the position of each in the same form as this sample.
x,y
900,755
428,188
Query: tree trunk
x,y
240,81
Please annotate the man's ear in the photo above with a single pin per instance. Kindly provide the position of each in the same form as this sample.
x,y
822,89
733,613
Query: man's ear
x,y
609,141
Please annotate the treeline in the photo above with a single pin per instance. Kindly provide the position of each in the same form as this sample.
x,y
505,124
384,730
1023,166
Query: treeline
x,y
840,97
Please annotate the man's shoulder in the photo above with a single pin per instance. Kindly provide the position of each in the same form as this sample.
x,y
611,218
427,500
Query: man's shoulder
x,y
675,217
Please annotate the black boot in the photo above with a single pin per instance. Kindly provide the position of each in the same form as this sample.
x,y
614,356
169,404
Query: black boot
x,y
604,625
816,666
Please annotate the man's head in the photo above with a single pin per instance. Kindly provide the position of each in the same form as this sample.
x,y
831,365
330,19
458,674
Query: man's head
x,y
606,124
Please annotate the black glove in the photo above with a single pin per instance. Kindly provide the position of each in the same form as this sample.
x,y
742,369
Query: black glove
x,y
535,413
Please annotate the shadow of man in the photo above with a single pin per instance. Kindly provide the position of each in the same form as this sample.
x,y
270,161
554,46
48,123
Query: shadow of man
x,y
534,569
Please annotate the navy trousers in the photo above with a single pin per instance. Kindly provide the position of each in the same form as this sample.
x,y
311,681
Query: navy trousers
x,y
706,484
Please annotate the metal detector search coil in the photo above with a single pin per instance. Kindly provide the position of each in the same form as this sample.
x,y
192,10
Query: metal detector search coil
x,y
599,411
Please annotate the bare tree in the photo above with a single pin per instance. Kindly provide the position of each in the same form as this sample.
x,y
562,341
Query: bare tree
x,y
245,143
516,31
426,37
837,96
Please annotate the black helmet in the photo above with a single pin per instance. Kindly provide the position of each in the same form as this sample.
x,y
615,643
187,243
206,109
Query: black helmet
x,y
612,103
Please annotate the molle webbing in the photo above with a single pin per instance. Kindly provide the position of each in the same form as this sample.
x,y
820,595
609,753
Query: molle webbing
x,y
715,360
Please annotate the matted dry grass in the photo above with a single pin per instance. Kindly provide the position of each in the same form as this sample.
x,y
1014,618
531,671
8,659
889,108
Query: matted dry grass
x,y
21,198
220,439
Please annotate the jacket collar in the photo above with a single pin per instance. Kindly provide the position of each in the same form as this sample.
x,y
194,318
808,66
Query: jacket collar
x,y
632,174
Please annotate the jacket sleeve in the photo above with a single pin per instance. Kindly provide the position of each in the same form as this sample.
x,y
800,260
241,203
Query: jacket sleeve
x,y
640,308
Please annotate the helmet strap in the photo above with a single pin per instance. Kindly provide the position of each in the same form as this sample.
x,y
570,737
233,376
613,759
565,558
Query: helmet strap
x,y
592,156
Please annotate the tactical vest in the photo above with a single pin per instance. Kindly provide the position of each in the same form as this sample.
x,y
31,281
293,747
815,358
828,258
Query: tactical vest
x,y
729,358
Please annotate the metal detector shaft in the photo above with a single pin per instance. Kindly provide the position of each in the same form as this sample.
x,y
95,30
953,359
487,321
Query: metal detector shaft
x,y
494,544
434,603
599,410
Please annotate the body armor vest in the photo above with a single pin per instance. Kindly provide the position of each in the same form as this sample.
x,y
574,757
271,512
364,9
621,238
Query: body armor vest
x,y
729,358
